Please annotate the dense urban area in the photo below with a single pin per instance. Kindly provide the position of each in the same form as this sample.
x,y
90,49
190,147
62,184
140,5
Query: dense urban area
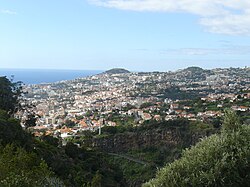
x,y
120,97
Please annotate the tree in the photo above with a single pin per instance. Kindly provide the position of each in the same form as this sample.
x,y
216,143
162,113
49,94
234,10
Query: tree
x,y
11,131
31,119
20,168
231,121
97,180
145,105
219,160
68,123
51,140
11,100
9,94
71,150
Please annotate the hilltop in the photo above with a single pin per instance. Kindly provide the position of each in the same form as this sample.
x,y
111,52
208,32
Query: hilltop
x,y
194,68
116,71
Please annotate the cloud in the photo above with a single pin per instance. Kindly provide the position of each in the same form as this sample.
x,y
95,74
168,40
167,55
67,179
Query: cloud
x,y
230,17
230,24
5,11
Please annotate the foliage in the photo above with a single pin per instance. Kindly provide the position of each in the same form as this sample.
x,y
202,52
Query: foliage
x,y
145,105
116,71
69,123
20,168
176,93
97,180
75,166
120,119
78,166
134,173
156,154
231,121
220,160
12,132
128,107
11,100
9,93
28,161
31,120
50,140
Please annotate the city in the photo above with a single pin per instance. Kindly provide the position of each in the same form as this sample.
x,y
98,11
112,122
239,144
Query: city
x,y
67,108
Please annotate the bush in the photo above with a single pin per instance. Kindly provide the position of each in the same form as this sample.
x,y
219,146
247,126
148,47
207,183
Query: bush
x,y
20,168
220,160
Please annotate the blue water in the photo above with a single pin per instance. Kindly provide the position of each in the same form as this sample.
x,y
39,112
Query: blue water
x,y
38,76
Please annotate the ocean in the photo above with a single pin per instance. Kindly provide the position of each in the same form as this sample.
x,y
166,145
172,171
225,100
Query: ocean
x,y
38,76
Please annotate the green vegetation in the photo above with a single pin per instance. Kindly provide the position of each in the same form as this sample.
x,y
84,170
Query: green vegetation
x,y
19,164
128,107
134,173
9,93
21,168
121,120
176,93
145,105
31,162
154,152
197,105
71,165
219,160
117,71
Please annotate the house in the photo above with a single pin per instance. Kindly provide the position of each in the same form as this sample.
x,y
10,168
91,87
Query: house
x,y
146,116
240,108
174,106
157,117
187,107
82,124
111,123
170,117
65,132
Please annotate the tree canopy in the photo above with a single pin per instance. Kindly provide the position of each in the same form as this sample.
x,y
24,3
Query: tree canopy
x,y
9,93
20,168
32,162
219,160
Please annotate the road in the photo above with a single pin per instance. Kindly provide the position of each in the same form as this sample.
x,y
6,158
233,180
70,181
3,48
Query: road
x,y
130,158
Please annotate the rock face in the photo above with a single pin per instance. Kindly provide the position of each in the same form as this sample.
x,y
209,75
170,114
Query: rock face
x,y
155,144
116,71
164,138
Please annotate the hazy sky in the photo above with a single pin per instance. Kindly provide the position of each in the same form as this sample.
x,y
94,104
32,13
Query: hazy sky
x,y
142,35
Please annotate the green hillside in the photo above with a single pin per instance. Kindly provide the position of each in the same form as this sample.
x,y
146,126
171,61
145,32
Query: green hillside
x,y
219,160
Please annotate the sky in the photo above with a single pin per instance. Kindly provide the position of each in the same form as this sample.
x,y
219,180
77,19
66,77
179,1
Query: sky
x,y
139,35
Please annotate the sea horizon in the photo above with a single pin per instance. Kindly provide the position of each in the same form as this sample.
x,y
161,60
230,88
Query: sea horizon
x,y
41,76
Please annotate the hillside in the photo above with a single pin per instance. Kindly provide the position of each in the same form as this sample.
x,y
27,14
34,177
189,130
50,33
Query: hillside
x,y
116,71
138,152
219,160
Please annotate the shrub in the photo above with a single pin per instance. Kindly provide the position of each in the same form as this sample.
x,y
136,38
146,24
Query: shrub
x,y
219,160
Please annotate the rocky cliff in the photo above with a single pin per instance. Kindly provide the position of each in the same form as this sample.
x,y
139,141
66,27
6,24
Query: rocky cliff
x,y
138,152
166,138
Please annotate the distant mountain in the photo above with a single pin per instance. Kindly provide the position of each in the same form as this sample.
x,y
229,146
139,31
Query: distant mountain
x,y
116,71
